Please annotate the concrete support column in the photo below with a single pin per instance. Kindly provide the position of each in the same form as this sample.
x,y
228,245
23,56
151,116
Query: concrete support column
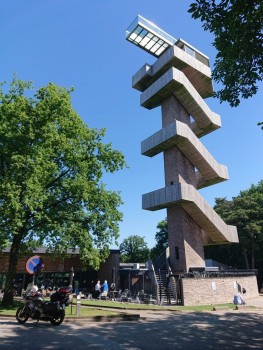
x,y
173,110
176,166
185,238
185,241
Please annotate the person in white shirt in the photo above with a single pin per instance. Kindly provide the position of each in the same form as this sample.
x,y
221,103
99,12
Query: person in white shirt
x,y
97,289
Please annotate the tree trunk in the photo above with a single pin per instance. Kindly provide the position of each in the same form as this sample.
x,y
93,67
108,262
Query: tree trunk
x,y
8,297
246,258
252,253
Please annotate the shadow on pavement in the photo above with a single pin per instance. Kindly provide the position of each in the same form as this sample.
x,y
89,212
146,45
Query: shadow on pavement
x,y
229,330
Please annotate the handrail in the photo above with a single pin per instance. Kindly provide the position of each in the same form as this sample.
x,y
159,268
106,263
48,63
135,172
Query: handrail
x,y
156,284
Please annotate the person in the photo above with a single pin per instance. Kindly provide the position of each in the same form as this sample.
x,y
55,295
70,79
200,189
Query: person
x,y
104,289
97,289
112,291
91,290
238,299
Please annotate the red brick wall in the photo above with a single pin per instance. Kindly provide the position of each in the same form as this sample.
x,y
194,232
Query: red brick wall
x,y
109,270
52,264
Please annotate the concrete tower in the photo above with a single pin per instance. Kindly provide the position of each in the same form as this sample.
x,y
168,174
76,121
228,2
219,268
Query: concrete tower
x,y
179,81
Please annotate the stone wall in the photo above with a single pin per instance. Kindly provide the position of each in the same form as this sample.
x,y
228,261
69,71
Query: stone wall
x,y
208,291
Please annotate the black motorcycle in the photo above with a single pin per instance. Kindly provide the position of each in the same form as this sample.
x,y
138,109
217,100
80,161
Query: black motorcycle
x,y
36,308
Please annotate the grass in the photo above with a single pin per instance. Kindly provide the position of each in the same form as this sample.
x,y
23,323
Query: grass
x,y
134,306
10,311
103,308
70,310
88,312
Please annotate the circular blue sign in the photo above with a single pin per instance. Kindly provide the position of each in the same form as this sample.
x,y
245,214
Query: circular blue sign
x,y
34,265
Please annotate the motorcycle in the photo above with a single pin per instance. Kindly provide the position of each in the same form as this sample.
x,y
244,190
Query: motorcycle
x,y
36,308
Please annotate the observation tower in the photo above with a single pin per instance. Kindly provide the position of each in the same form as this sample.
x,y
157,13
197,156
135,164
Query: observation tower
x,y
178,82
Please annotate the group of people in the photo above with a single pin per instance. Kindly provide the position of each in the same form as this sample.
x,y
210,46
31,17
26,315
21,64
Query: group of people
x,y
101,290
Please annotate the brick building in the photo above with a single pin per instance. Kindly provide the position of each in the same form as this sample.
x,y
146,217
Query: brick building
x,y
57,271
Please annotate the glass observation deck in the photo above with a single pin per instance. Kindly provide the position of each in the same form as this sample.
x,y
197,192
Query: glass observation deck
x,y
148,36
155,41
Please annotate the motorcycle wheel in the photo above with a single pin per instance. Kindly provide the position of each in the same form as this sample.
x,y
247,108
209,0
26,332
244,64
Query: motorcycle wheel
x,y
21,315
58,319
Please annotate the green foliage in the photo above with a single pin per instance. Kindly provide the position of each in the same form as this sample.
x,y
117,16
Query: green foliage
x,y
237,28
51,169
161,237
134,249
11,310
246,212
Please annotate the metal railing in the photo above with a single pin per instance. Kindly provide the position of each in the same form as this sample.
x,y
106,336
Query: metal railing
x,y
219,274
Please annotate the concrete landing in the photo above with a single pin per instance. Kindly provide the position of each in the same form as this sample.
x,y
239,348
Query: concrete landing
x,y
177,133
217,231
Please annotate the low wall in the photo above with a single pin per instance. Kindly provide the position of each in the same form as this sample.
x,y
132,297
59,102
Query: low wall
x,y
220,290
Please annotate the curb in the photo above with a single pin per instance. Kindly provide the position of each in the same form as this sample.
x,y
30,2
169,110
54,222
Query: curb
x,y
126,317
224,308
123,317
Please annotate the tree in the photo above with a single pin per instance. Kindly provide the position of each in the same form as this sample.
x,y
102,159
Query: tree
x,y
246,212
237,27
134,249
161,237
51,168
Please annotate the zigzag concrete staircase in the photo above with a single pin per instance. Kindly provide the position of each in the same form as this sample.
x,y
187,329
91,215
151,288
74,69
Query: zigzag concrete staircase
x,y
181,80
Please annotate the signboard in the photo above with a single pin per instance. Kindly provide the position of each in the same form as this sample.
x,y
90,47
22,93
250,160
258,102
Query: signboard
x,y
34,265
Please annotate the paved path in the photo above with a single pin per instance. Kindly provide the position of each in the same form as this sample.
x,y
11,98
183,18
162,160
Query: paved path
x,y
256,302
193,331
155,330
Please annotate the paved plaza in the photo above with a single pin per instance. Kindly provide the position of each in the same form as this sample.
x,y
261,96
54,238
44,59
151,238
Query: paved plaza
x,y
220,329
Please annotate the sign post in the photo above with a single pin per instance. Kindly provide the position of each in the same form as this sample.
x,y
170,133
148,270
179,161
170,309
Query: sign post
x,y
34,265
78,305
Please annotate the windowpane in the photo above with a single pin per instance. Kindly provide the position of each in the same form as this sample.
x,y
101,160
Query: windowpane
x,y
138,30
155,48
150,44
144,41
158,52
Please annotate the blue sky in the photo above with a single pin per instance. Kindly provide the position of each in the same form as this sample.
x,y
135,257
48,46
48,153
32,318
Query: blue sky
x,y
82,43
